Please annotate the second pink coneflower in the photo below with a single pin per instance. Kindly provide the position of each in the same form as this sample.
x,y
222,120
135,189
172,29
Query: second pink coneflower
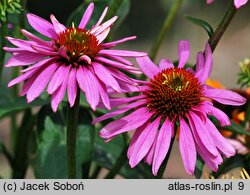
x,y
174,96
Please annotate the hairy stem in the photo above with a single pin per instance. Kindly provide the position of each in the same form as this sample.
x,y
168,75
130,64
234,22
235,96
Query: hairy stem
x,y
72,122
214,40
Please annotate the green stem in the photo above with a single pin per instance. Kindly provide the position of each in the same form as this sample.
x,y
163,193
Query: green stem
x,y
3,33
122,159
231,10
72,122
7,155
165,28
21,146
165,162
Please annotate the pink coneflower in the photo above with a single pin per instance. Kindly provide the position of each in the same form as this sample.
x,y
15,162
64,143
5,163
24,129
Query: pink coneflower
x,y
174,96
237,3
73,58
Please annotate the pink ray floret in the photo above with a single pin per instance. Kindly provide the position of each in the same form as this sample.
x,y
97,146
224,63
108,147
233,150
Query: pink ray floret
x,y
74,58
174,96
237,3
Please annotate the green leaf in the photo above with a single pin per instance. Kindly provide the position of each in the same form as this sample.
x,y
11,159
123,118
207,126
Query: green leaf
x,y
199,167
203,24
18,104
51,159
106,155
234,127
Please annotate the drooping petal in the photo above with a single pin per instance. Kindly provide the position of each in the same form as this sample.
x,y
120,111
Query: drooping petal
x,y
72,87
220,115
165,64
162,145
21,78
103,94
58,96
127,123
200,63
199,131
105,76
87,15
41,82
239,3
183,53
224,96
87,83
59,28
187,147
221,143
28,83
144,142
24,58
147,66
118,111
150,155
42,26
58,78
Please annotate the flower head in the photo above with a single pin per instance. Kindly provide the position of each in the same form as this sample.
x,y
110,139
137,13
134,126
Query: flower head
x,y
73,58
237,3
172,96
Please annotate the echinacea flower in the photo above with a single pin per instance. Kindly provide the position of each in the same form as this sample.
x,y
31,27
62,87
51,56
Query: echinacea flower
x,y
174,96
72,58
237,3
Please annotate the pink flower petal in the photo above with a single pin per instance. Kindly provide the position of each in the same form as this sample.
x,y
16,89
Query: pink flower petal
x,y
162,145
200,63
187,147
224,96
127,123
200,131
87,15
150,155
59,28
28,83
58,96
58,78
144,142
105,76
102,17
22,44
122,53
239,3
210,1
147,66
165,64
103,94
102,36
220,115
41,81
99,29
207,69
72,87
34,38
24,58
42,26
221,143
118,111
21,78
114,43
183,53
87,83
